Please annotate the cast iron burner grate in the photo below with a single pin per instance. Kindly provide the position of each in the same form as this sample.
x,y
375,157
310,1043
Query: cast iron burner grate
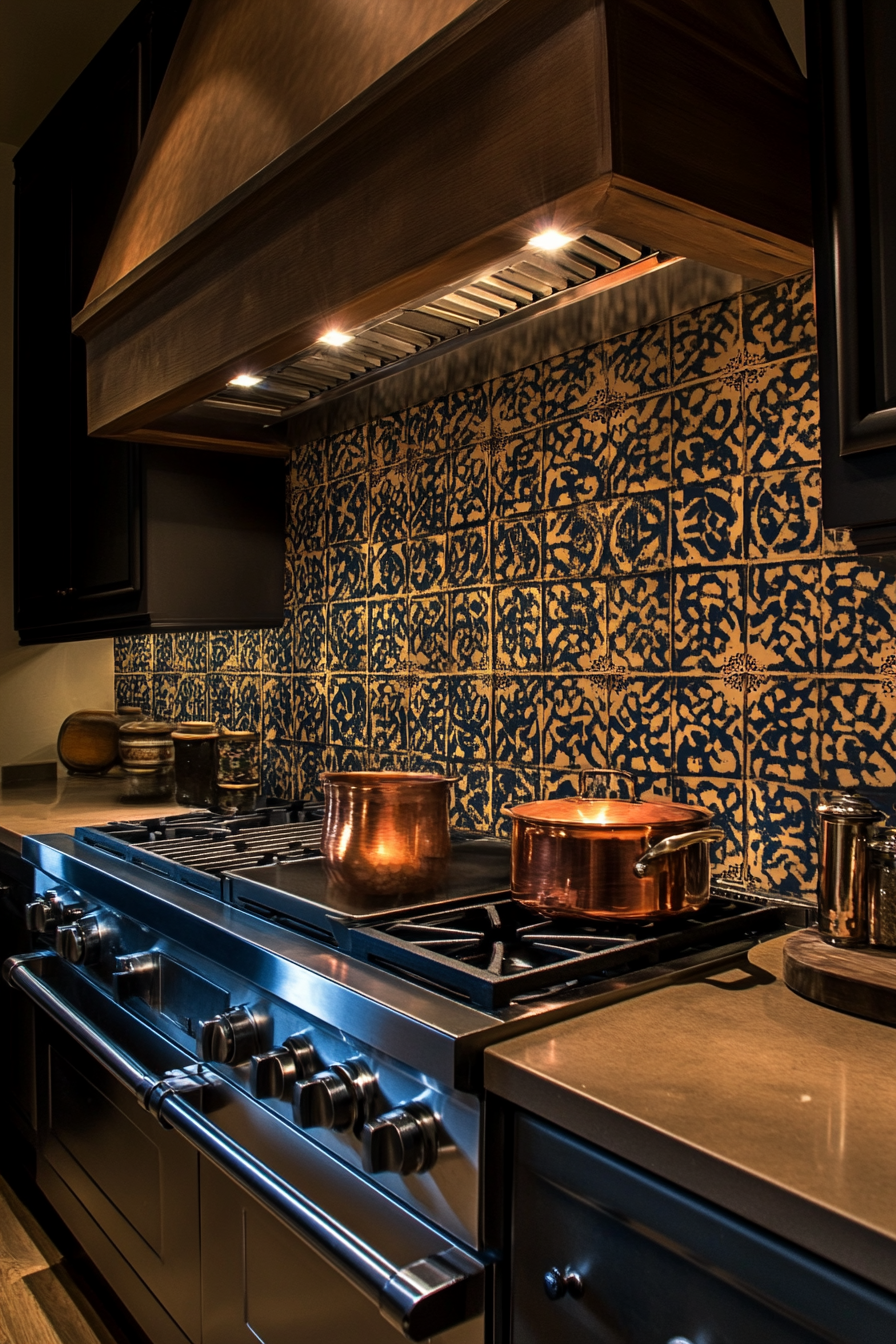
x,y
497,951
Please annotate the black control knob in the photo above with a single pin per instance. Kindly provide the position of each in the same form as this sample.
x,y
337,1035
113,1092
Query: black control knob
x,y
276,1073
404,1141
81,942
229,1038
338,1098
559,1282
49,911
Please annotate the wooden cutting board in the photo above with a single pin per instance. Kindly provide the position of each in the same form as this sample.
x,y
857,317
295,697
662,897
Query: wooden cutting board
x,y
857,980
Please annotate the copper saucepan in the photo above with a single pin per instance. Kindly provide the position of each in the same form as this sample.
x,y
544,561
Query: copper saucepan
x,y
616,858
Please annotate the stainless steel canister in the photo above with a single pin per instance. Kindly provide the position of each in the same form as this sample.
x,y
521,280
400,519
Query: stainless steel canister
x,y
882,888
845,821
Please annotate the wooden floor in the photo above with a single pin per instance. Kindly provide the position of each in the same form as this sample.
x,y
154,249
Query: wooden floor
x,y
39,1302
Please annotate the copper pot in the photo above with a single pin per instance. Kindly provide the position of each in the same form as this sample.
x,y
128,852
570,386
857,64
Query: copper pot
x,y
385,834
610,857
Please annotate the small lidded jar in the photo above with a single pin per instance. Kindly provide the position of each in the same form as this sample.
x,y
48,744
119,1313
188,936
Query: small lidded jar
x,y
146,751
238,771
195,763
844,823
882,887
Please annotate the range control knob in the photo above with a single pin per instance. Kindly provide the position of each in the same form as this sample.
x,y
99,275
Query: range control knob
x,y
80,942
404,1141
49,910
338,1098
276,1073
229,1038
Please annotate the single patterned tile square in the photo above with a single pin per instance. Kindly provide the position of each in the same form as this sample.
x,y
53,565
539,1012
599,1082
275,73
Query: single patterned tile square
x,y
708,522
308,519
518,718
348,711
428,633
387,441
518,630
311,639
781,842
571,381
388,568
725,799
277,648
559,784
133,653
347,510
781,414
708,432
858,616
468,493
290,587
278,708
387,634
784,616
427,484
708,727
165,654
511,786
428,716
309,761
517,474
250,650
706,340
347,571
637,533
234,701
516,548
639,730
782,730
471,807
310,710
347,453
388,700
469,718
180,696
470,629
574,541
279,775
517,401
463,416
784,509
639,446
426,564
780,319
307,465
639,622
638,362
347,639
389,504
134,688
574,731
418,427
310,576
858,735
468,561
575,465
575,626
707,618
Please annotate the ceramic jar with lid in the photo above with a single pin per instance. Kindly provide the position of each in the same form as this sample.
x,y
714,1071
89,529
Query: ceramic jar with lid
x,y
238,771
195,763
146,752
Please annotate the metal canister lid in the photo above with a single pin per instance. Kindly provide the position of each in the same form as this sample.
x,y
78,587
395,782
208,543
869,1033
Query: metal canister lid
x,y
883,841
145,728
849,807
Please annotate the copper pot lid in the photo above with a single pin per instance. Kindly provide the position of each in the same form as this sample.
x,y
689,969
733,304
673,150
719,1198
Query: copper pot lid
x,y
379,778
610,813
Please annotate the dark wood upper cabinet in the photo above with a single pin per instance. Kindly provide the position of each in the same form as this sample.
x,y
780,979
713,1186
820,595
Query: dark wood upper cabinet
x,y
112,536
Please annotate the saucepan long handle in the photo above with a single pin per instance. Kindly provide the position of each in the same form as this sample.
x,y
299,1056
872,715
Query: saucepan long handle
x,y
673,843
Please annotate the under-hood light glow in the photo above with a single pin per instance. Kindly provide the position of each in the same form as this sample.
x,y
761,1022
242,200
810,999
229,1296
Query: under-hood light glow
x,y
244,380
336,338
550,241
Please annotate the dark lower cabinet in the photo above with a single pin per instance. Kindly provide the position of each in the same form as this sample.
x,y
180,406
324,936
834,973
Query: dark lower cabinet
x,y
17,1099
658,1265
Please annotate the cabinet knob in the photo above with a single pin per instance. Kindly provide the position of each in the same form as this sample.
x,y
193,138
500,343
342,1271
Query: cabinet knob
x,y
229,1038
404,1141
559,1282
339,1098
276,1073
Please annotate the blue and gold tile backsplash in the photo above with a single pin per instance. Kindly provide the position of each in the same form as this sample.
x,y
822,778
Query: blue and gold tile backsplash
x,y
614,557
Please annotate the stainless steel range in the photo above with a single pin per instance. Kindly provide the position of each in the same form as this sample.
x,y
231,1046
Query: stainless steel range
x,y
325,1062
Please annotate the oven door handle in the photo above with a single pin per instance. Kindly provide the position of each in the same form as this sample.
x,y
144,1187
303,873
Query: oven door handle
x,y
421,1299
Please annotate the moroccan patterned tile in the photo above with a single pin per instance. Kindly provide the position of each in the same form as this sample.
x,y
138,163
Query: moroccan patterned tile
x,y
426,564
428,484
471,806
637,533
311,639
574,541
428,716
638,362
517,401
345,758
784,616
387,760
310,576
517,474
387,634
781,842
782,730
388,712
468,558
389,504
308,763
781,413
310,710
858,735
387,441
347,510
837,541
639,446
388,568
518,719
572,380
250,650
574,731
134,688
784,509
780,319
575,626
308,520
559,784
164,653
708,522
725,799
423,764
347,571
705,340
707,430
639,730
348,711
347,453
575,466
181,653
277,707
708,727
639,622
179,696
428,633
134,653
470,629
462,417
468,492
707,618
518,629
858,616
419,430
516,548
234,702
307,465
511,786
279,774
469,718
277,648
290,587
347,636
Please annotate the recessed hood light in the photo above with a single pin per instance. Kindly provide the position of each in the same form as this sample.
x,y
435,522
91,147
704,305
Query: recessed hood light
x,y
336,338
244,380
550,241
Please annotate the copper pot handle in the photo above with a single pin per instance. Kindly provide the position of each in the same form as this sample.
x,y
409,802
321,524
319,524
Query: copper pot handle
x,y
623,774
673,843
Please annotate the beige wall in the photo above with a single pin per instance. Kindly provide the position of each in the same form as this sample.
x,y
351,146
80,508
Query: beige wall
x,y
38,686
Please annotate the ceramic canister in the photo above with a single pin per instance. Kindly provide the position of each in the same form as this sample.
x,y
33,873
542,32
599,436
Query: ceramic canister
x,y
146,745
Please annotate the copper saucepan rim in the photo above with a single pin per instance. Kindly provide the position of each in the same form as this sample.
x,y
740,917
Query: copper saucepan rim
x,y
376,778
597,814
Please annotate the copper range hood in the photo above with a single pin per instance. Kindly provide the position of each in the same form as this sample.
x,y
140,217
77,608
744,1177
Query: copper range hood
x,y
332,164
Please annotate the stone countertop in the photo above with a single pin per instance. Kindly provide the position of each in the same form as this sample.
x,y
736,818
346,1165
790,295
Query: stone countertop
x,y
70,801
735,1088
